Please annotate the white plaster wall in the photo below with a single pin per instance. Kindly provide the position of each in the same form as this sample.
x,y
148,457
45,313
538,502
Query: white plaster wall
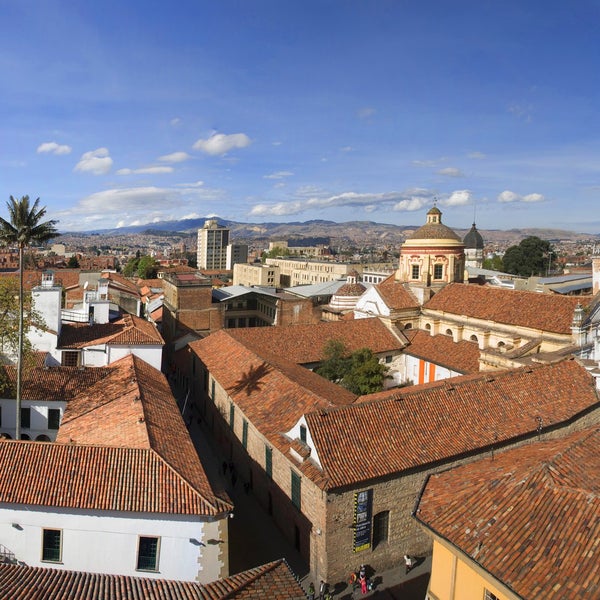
x,y
39,417
42,341
369,304
412,370
108,542
151,354
95,356
47,302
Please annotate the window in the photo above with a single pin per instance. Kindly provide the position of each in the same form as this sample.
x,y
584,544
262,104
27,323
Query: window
x,y
70,358
438,271
51,545
269,462
231,414
381,526
53,418
415,272
303,433
26,418
147,559
296,490
245,433
489,596
388,359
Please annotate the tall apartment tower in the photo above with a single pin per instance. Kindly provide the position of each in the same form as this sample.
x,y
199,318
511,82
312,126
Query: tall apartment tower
x,y
212,246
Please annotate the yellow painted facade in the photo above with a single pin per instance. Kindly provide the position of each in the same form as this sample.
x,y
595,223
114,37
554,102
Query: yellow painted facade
x,y
455,577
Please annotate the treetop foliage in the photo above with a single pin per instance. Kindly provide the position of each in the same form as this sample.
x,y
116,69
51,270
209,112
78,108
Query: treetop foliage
x,y
533,256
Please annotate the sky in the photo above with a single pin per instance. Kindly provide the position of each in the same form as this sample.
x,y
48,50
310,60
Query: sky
x,y
126,113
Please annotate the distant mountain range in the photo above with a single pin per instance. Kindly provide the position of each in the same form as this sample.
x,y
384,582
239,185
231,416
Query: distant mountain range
x,y
355,232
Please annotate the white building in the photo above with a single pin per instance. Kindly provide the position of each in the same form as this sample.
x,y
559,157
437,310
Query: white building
x,y
212,245
121,491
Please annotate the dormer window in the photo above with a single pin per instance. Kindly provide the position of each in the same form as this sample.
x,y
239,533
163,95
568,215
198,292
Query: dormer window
x,y
303,433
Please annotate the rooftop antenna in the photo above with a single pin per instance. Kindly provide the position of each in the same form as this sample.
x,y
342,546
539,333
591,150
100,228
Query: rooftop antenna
x,y
474,212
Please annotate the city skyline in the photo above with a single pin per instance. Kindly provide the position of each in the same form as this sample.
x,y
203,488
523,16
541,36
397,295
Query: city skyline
x,y
124,114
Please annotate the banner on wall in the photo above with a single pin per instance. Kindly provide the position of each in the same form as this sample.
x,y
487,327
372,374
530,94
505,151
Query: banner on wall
x,y
363,513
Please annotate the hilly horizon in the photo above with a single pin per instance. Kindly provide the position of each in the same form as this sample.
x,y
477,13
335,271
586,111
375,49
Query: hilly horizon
x,y
352,231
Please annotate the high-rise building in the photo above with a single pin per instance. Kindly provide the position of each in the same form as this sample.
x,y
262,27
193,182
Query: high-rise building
x,y
212,245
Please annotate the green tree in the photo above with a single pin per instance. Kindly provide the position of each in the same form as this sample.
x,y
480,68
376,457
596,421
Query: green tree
x,y
366,374
360,372
24,228
533,256
147,267
73,262
335,363
131,267
494,263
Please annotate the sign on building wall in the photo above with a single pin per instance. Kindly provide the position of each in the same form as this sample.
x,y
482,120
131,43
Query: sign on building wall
x,y
363,513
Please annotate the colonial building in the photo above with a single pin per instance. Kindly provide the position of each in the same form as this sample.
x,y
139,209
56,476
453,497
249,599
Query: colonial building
x,y
473,248
339,476
121,491
431,257
521,525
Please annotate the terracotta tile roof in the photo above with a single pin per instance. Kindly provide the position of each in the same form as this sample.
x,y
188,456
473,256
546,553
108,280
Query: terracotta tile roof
x,y
142,443
137,410
303,344
530,516
273,580
544,312
273,393
95,478
396,295
127,331
52,384
411,427
121,283
462,357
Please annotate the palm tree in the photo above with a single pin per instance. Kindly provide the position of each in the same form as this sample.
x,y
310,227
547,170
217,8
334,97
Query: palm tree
x,y
24,228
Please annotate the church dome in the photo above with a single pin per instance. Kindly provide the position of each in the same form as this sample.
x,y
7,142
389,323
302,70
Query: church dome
x,y
473,239
347,296
434,229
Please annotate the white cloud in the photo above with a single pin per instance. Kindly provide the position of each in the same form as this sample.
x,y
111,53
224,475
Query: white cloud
x,y
347,149
533,198
508,196
220,143
413,199
278,175
366,112
53,148
195,184
412,204
175,122
458,198
476,155
521,111
96,162
451,172
174,157
145,171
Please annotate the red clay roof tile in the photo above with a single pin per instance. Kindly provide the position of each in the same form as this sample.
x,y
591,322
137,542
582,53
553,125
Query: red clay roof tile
x,y
530,516
544,312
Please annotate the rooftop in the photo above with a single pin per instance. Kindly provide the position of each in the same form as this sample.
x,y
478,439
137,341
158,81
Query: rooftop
x,y
530,516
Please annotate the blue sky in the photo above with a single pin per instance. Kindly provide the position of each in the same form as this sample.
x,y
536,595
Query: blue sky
x,y
120,113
